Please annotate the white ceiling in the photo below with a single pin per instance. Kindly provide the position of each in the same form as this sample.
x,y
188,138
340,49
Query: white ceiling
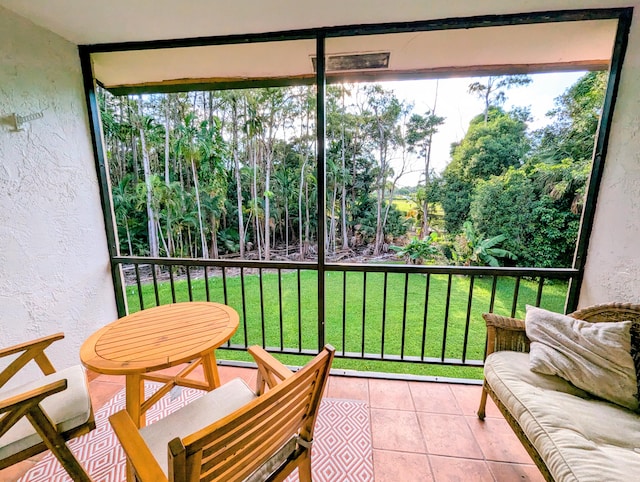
x,y
526,47
86,22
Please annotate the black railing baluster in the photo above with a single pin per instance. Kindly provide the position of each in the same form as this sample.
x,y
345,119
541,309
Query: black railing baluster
x,y
206,284
264,334
139,283
494,287
173,284
404,315
344,312
155,284
244,308
299,314
189,287
280,305
224,285
364,308
539,294
384,315
468,320
446,319
516,291
424,317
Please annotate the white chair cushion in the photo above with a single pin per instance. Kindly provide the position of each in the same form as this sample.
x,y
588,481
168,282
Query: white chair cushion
x,y
194,416
67,409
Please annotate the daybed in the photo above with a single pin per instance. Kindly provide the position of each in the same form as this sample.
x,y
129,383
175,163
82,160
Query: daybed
x,y
570,434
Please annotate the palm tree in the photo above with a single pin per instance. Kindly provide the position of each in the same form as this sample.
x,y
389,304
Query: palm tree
x,y
190,145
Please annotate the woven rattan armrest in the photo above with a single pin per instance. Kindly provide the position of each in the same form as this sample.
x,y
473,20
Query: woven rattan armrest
x,y
504,333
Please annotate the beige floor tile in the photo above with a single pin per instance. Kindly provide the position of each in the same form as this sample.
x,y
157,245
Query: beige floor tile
x,y
434,397
448,435
497,440
503,472
400,466
451,469
396,430
392,394
349,388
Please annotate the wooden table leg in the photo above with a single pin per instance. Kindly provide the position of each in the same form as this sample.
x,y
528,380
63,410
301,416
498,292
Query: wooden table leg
x,y
134,394
210,368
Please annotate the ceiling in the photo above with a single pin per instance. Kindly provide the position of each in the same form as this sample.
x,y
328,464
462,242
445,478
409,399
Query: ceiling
x,y
517,48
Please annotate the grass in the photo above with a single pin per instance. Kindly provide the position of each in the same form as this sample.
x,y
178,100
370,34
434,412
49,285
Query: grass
x,y
369,318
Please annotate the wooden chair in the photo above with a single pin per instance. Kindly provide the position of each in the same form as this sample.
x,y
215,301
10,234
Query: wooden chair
x,y
45,413
233,433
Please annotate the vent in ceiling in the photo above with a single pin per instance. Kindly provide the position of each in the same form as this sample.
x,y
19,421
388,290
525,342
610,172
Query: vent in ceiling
x,y
355,62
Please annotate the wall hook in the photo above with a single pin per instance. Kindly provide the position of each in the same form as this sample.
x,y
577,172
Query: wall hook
x,y
20,120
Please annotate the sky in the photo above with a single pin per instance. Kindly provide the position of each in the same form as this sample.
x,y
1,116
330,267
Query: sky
x,y
459,107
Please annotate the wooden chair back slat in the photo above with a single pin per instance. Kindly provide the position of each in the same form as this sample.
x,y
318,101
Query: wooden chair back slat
x,y
235,446
242,427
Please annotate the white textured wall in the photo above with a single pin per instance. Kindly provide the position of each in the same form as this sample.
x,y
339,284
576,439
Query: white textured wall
x,y
613,262
54,265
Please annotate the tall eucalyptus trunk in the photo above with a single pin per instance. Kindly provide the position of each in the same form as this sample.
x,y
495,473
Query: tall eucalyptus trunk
x,y
236,162
146,166
203,238
343,207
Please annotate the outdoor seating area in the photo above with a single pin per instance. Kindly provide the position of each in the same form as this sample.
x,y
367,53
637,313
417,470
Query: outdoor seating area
x,y
419,431
306,212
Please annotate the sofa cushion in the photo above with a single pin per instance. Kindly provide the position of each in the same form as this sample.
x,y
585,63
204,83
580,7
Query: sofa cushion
x,y
580,438
593,356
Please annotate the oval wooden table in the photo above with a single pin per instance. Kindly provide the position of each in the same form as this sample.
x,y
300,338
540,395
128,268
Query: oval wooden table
x,y
157,338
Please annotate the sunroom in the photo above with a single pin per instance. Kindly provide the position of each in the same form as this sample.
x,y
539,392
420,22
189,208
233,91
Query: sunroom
x,y
62,265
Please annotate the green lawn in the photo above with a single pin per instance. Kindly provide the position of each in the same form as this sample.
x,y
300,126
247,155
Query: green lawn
x,y
358,325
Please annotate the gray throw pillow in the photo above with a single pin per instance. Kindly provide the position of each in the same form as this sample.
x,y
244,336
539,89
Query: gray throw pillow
x,y
593,356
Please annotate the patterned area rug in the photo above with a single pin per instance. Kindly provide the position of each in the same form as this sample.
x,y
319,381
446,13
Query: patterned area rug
x,y
342,451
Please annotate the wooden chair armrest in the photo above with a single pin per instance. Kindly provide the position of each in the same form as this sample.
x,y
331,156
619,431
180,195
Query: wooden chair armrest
x,y
144,463
40,344
31,350
505,333
270,371
32,396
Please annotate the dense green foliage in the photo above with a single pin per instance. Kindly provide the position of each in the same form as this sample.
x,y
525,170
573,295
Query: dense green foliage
x,y
201,174
527,187
204,174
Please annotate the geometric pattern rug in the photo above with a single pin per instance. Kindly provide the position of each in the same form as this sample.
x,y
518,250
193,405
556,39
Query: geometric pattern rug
x,y
342,449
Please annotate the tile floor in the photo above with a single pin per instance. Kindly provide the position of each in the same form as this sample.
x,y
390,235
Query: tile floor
x,y
421,431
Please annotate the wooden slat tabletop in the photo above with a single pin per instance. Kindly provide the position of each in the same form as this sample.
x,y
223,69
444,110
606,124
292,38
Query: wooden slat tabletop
x,y
159,337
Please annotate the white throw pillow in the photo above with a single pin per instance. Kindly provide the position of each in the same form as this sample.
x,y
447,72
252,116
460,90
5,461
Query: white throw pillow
x,y
593,356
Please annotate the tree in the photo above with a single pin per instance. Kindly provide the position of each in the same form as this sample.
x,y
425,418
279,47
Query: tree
x,y
190,145
540,229
492,90
145,123
382,112
486,150
420,133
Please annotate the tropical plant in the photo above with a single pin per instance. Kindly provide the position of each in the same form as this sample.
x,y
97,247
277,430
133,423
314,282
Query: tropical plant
x,y
417,251
473,249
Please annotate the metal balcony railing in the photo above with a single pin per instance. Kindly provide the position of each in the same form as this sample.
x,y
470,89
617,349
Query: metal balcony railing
x,y
372,312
